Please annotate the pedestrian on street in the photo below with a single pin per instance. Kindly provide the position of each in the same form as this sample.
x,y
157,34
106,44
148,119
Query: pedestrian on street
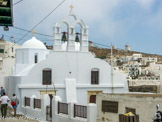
x,y
2,91
14,103
3,101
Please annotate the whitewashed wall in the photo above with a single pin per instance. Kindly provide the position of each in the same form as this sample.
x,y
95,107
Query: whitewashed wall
x,y
80,65
91,113
6,69
36,113
61,63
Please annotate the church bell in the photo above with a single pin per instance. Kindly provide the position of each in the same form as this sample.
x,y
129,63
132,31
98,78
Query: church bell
x,y
77,37
64,37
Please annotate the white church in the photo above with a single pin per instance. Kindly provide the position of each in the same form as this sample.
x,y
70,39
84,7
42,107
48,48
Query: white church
x,y
69,70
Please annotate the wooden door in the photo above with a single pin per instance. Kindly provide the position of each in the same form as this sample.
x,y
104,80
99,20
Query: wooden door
x,y
92,99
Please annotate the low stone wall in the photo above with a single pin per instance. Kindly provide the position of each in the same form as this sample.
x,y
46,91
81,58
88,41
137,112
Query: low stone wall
x,y
110,106
144,88
147,82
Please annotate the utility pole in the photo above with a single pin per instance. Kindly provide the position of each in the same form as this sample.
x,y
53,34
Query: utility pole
x,y
112,82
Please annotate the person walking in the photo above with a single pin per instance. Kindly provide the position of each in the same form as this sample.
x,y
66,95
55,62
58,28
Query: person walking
x,y
2,91
14,103
3,100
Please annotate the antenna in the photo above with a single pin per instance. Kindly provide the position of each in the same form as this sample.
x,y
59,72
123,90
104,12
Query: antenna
x,y
112,69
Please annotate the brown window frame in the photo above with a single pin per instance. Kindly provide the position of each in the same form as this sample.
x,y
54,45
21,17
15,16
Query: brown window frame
x,y
37,103
94,77
45,82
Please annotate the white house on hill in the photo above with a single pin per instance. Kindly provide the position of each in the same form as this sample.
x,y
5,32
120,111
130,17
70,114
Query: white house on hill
x,y
7,58
69,71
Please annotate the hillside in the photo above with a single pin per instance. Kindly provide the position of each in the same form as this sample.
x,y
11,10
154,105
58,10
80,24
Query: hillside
x,y
104,52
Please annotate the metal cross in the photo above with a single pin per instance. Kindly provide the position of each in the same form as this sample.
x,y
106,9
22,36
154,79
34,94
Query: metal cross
x,y
33,32
71,8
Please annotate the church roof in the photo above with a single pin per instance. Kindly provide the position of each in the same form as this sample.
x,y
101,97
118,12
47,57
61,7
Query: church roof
x,y
33,43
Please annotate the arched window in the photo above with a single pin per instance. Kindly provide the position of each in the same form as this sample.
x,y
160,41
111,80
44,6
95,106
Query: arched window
x,y
95,76
36,58
47,76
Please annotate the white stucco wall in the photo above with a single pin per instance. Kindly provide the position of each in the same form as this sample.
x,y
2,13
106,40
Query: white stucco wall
x,y
10,48
80,65
91,112
26,55
6,69
36,113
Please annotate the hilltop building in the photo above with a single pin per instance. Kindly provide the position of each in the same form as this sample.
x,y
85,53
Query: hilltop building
x,y
7,49
7,58
140,70
127,48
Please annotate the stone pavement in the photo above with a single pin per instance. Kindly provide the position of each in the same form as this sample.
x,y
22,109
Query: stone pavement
x,y
18,118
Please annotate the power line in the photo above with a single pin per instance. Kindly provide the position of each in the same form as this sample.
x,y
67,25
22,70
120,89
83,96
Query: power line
x,y
101,44
106,46
17,2
38,23
21,34
9,36
35,32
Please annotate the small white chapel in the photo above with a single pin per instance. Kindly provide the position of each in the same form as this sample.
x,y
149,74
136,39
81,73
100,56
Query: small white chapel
x,y
69,70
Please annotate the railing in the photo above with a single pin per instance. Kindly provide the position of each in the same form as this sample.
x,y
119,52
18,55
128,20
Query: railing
x,y
27,101
80,111
37,103
62,108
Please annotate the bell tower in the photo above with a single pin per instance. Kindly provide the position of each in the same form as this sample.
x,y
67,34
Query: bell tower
x,y
71,37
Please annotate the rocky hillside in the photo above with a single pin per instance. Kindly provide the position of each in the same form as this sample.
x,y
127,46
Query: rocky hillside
x,y
104,52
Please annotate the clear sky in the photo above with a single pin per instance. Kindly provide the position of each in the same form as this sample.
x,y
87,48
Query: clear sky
x,y
134,22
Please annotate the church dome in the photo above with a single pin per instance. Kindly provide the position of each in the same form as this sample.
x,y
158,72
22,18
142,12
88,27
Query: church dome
x,y
33,43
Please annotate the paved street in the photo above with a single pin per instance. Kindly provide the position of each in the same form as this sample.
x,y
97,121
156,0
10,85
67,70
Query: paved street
x,y
18,118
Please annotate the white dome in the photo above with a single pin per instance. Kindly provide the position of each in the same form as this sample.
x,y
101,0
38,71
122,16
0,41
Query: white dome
x,y
33,43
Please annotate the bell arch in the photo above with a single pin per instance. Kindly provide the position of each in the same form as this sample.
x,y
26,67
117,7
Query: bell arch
x,y
72,18
78,30
71,34
83,36
64,35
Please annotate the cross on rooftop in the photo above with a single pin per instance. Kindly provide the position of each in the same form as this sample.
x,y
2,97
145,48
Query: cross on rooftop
x,y
71,8
33,32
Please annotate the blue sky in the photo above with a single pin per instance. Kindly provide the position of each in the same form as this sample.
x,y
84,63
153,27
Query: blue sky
x,y
134,22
